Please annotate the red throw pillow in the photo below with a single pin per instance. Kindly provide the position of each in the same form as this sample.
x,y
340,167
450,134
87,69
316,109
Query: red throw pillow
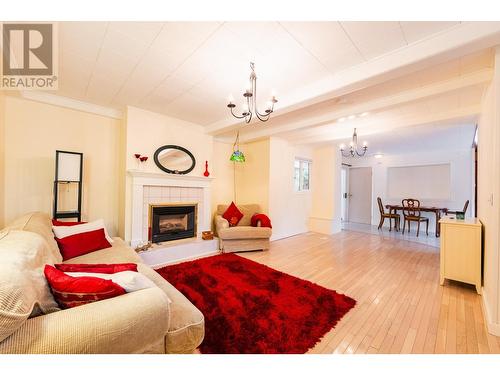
x,y
82,243
233,215
58,223
262,219
71,291
97,268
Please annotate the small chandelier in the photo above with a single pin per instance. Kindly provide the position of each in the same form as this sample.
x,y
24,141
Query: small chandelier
x,y
250,107
353,147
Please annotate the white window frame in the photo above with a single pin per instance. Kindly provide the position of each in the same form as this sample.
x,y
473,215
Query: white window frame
x,y
300,187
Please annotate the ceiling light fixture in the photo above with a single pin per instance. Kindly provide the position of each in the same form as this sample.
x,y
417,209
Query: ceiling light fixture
x,y
237,155
352,117
353,147
250,107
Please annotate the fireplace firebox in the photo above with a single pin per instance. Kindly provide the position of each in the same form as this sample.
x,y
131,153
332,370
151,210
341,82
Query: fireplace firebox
x,y
168,222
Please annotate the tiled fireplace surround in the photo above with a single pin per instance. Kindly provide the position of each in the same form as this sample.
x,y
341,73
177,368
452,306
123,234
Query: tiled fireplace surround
x,y
149,188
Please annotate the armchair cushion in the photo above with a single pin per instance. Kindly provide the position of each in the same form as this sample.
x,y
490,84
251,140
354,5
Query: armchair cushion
x,y
241,232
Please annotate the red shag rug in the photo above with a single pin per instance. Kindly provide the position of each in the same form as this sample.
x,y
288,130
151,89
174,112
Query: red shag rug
x,y
251,308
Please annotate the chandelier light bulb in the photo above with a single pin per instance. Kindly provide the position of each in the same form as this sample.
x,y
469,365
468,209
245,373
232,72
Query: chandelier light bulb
x,y
245,108
365,144
230,99
342,146
351,143
248,87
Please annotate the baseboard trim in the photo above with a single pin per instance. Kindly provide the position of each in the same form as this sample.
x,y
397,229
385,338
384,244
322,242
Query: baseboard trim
x,y
493,328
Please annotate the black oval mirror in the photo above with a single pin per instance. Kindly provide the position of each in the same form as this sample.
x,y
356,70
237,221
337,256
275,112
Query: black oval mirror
x,y
174,159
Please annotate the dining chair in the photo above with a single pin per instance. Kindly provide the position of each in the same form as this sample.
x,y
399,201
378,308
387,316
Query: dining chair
x,y
466,205
390,216
411,212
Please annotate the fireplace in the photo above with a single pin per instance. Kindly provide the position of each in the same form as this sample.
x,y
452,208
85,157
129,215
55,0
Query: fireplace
x,y
173,221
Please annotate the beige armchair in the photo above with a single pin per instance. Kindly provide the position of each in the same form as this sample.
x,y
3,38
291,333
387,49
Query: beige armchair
x,y
242,237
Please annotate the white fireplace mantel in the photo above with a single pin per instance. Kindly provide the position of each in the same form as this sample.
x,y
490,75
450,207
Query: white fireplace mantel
x,y
140,179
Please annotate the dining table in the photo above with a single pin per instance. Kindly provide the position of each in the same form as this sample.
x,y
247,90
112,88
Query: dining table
x,y
438,211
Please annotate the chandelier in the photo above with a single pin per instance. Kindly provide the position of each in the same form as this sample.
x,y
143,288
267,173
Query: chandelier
x,y
353,147
250,107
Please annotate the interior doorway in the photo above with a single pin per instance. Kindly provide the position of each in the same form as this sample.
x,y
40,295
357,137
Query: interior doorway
x,y
344,182
359,196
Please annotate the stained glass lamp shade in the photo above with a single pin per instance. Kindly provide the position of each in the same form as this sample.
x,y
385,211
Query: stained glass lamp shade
x,y
237,155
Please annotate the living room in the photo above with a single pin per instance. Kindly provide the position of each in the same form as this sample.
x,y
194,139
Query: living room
x,y
207,175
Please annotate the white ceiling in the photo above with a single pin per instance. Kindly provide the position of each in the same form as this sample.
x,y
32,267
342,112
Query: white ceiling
x,y
187,69
424,138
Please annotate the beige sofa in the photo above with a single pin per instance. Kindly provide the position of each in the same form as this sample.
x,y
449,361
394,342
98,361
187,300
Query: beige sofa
x,y
242,237
153,320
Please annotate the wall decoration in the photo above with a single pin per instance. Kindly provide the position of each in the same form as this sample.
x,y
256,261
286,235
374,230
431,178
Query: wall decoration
x,y
206,173
174,159
68,174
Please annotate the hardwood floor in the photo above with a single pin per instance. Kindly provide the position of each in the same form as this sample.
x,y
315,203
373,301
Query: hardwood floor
x,y
401,308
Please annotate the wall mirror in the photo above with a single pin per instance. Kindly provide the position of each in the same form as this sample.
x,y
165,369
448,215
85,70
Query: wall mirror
x,y
174,159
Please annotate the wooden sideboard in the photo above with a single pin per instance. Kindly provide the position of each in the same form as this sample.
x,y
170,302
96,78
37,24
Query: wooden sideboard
x,y
461,251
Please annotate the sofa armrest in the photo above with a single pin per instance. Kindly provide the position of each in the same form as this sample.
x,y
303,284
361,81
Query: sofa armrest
x,y
126,324
220,223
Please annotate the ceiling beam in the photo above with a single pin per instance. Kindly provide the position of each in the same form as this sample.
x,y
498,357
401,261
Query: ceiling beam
x,y
469,112
460,40
461,82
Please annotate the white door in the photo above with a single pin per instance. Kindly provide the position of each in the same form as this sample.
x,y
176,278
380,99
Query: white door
x,y
360,195
344,172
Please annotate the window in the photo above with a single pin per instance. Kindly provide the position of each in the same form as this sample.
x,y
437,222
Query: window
x,y
301,175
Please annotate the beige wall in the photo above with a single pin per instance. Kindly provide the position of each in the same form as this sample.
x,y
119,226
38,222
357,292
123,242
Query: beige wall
x,y
252,176
2,157
489,195
288,209
222,170
33,132
326,199
145,132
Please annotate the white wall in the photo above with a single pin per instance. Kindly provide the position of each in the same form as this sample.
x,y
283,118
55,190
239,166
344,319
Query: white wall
x,y
461,179
288,209
489,195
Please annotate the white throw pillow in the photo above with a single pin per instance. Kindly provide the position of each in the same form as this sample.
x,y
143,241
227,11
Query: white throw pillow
x,y
63,231
24,291
131,281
